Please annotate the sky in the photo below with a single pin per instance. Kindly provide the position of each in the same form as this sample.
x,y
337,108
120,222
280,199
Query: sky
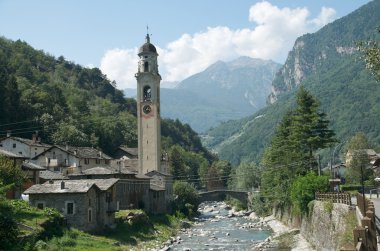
x,y
189,35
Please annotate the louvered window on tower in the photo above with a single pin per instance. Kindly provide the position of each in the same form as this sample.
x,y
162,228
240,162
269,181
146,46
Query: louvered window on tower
x,y
147,93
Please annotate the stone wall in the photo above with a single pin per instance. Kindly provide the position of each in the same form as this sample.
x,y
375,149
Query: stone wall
x,y
324,228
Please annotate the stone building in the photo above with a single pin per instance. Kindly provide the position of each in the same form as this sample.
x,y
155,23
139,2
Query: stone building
x,y
24,147
68,159
132,189
88,205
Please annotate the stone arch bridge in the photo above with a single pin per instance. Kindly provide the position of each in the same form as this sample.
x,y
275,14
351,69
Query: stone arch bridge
x,y
220,195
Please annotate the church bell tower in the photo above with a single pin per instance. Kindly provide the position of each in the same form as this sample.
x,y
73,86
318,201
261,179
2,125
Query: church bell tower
x,y
148,109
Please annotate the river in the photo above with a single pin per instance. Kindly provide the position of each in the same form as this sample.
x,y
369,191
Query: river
x,y
218,229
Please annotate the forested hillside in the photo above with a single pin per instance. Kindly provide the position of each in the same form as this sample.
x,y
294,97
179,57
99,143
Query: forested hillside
x,y
328,64
70,104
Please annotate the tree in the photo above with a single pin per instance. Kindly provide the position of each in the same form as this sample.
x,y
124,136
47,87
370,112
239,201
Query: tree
x,y
371,55
309,126
177,162
357,159
246,176
186,197
8,226
10,173
302,132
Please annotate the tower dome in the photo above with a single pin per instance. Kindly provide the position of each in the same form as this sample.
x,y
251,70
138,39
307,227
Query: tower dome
x,y
147,47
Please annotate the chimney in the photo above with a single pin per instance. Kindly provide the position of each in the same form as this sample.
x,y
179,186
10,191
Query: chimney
x,y
9,133
62,184
100,154
34,138
67,147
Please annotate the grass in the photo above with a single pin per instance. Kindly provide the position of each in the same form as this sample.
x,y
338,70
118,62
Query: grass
x,y
31,216
126,236
149,232
348,236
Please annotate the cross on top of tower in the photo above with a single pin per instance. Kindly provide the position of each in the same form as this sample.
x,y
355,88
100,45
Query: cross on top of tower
x,y
147,38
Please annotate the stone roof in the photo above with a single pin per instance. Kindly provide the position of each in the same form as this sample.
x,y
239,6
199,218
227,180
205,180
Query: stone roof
x,y
80,152
29,142
32,166
70,186
50,175
98,170
142,176
130,150
9,154
154,172
89,153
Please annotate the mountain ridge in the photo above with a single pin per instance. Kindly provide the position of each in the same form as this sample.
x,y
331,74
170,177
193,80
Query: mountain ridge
x,y
331,71
223,91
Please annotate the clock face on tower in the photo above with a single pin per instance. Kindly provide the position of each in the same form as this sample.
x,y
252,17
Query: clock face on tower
x,y
147,109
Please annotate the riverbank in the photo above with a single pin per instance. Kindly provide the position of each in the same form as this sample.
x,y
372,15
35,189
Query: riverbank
x,y
283,233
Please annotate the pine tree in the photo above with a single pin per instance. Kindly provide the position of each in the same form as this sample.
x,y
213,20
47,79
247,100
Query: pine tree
x,y
299,135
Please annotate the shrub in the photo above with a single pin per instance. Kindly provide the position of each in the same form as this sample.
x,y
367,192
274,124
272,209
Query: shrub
x,y
303,190
186,197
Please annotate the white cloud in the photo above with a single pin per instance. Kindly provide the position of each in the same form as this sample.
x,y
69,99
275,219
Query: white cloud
x,y
272,36
324,17
120,65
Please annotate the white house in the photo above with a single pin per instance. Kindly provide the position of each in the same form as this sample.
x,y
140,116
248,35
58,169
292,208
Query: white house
x,y
25,147
71,159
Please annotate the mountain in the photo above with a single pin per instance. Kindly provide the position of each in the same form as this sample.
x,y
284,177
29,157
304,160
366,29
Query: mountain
x,y
328,65
67,103
222,92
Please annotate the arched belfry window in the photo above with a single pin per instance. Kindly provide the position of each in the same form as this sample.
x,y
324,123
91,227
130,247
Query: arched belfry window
x,y
146,67
147,93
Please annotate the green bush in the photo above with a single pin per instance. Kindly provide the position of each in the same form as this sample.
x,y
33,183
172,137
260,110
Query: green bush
x,y
303,190
260,206
350,187
186,198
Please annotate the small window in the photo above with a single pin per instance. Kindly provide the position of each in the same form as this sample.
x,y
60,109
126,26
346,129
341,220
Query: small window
x,y
40,205
48,160
20,153
35,149
146,67
1,145
89,215
86,161
69,208
14,145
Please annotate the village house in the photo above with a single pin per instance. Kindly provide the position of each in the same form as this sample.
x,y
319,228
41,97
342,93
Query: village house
x,y
25,147
132,190
89,205
67,159
369,153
